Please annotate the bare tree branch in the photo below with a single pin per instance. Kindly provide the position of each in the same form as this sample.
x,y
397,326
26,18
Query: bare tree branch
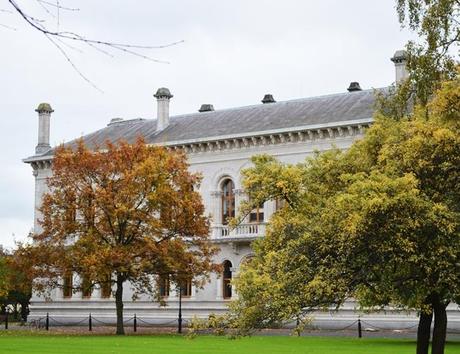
x,y
62,36
72,63
58,5
8,27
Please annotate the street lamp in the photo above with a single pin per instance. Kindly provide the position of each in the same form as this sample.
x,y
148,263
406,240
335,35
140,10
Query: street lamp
x,y
179,320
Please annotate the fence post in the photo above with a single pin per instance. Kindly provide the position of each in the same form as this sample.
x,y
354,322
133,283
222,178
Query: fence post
x,y
6,320
360,331
135,323
47,321
90,323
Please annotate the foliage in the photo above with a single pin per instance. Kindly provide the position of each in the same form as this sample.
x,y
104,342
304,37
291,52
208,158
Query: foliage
x,y
432,58
380,222
125,213
17,286
215,324
4,283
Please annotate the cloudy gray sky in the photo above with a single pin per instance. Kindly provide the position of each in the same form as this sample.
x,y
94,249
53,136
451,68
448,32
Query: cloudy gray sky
x,y
234,52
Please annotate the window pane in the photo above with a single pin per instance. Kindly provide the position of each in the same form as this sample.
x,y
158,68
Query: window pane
x,y
163,284
67,285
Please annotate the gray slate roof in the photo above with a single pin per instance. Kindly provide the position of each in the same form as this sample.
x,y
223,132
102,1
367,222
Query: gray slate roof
x,y
240,121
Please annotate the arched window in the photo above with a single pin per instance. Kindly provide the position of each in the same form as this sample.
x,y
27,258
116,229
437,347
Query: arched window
x,y
228,201
227,280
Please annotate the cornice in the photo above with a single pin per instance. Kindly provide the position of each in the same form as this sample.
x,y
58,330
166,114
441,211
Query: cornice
x,y
298,135
310,133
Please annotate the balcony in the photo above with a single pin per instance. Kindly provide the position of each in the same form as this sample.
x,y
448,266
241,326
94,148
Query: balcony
x,y
241,232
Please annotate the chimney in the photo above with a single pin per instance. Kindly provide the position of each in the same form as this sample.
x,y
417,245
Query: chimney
x,y
268,98
44,111
163,96
400,60
206,107
354,86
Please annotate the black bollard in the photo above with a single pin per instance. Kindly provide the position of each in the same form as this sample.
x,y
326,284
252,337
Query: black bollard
x,y
135,323
6,320
360,331
90,323
47,322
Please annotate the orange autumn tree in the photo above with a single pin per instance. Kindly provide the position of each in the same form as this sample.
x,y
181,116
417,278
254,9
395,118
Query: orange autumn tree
x,y
124,213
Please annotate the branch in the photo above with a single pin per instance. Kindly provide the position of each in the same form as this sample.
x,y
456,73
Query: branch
x,y
59,36
58,5
8,27
72,64
72,36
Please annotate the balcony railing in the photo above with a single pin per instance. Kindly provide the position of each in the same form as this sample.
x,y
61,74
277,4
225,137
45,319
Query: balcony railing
x,y
240,231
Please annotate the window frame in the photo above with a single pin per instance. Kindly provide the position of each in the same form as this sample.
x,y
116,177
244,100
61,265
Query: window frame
x,y
187,288
67,285
227,291
259,212
228,200
106,288
164,286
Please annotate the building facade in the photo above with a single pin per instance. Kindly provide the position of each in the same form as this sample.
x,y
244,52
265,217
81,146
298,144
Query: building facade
x,y
219,144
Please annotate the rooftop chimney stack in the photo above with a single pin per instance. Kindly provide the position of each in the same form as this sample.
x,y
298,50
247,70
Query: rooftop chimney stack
x,y
400,60
44,111
354,86
268,98
206,107
163,96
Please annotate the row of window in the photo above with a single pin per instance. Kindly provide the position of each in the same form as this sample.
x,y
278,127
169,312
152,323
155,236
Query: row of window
x,y
106,287
228,206
86,287
164,285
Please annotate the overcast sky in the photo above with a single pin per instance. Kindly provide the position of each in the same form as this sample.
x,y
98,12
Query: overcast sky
x,y
234,52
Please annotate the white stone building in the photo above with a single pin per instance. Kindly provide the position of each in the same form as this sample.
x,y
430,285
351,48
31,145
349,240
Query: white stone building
x,y
219,144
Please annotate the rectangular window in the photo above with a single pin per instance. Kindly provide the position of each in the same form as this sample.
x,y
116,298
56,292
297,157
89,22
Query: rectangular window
x,y
257,214
106,287
280,203
86,287
163,285
67,285
187,288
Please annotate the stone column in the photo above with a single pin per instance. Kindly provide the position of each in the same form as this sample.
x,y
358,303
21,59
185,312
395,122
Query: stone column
x,y
216,207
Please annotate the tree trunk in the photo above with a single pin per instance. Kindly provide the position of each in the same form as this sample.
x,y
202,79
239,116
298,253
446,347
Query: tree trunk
x,y
423,332
119,305
440,326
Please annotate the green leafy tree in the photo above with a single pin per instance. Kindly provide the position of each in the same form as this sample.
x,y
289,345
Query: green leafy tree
x,y
432,58
16,285
379,222
4,283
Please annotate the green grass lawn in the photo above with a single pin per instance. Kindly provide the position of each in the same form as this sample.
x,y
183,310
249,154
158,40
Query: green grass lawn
x,y
20,342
